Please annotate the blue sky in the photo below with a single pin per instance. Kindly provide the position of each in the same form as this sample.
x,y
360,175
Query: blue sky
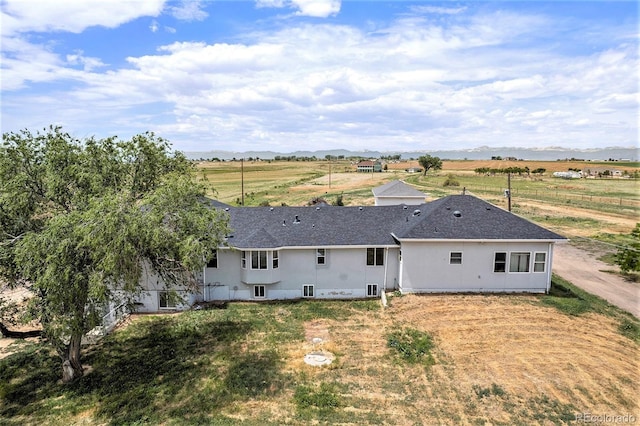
x,y
285,75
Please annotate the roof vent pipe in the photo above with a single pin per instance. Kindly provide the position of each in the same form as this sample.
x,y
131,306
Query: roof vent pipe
x,y
296,220
284,223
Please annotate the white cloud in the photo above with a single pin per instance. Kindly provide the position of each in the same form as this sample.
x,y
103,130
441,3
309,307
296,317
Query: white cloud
x,y
438,10
72,15
410,84
189,10
154,26
313,8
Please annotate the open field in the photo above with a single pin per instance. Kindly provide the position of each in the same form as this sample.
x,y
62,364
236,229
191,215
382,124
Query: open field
x,y
496,359
584,207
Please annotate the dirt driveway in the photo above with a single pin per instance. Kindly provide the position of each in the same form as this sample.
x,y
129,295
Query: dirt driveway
x,y
584,270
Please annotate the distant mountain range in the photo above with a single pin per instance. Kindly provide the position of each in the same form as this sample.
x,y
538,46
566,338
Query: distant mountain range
x,y
481,153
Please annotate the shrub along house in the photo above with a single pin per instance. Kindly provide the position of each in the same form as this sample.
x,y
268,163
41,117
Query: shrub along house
x,y
454,244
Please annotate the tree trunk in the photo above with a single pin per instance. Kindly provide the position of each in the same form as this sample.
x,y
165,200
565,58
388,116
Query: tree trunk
x,y
18,334
70,355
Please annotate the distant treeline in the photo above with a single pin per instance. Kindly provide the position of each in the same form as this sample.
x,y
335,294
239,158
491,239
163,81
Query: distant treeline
x,y
512,170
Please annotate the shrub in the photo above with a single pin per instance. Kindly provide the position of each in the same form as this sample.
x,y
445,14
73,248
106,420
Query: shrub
x,y
451,181
414,346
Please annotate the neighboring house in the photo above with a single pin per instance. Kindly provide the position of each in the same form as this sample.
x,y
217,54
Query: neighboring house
x,y
602,172
454,244
413,170
369,166
397,192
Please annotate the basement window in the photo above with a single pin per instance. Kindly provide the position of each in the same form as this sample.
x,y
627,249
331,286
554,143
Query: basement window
x,y
308,290
166,301
258,291
372,290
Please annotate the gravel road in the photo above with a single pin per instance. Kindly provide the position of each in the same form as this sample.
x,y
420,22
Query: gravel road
x,y
585,271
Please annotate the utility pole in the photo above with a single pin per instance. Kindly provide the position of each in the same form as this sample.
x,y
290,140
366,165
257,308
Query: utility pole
x,y
329,171
509,190
242,179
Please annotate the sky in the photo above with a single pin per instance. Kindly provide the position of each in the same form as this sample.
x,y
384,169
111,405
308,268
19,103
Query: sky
x,y
287,75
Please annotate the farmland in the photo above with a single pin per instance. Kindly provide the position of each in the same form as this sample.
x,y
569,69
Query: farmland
x,y
583,207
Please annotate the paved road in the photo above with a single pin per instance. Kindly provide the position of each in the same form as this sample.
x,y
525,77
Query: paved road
x,y
584,270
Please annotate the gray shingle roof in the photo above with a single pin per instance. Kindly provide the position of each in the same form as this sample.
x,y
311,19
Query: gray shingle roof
x,y
396,188
273,227
466,217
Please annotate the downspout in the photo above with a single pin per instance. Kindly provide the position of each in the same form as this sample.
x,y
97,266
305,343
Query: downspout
x,y
204,283
386,265
550,264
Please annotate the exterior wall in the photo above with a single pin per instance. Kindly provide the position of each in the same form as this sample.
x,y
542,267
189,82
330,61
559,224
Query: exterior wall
x,y
394,201
425,268
149,299
345,275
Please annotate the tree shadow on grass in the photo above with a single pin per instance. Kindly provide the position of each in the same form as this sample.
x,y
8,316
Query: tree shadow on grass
x,y
135,373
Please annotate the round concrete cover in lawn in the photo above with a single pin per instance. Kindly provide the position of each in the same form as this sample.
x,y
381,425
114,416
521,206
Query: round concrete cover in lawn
x,y
319,358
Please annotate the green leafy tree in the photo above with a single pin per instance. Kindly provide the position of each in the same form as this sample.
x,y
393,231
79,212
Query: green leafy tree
x,y
429,163
628,258
81,221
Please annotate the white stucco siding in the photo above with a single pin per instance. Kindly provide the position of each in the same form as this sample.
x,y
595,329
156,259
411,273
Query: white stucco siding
x,y
426,267
149,299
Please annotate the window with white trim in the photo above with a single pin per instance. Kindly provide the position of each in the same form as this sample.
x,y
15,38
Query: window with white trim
x,y
259,259
540,262
275,261
372,290
500,262
375,256
258,291
321,256
519,261
243,260
213,261
308,290
455,258
165,300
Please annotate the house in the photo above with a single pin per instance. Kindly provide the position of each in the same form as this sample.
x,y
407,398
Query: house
x,y
454,244
397,192
369,166
413,170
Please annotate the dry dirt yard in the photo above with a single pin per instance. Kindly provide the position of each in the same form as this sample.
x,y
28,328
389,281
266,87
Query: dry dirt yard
x,y
532,362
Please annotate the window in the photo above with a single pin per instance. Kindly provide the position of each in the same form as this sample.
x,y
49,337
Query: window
x,y
166,300
455,258
307,290
259,259
519,262
500,262
243,260
372,290
375,256
321,256
274,260
213,262
539,262
258,291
